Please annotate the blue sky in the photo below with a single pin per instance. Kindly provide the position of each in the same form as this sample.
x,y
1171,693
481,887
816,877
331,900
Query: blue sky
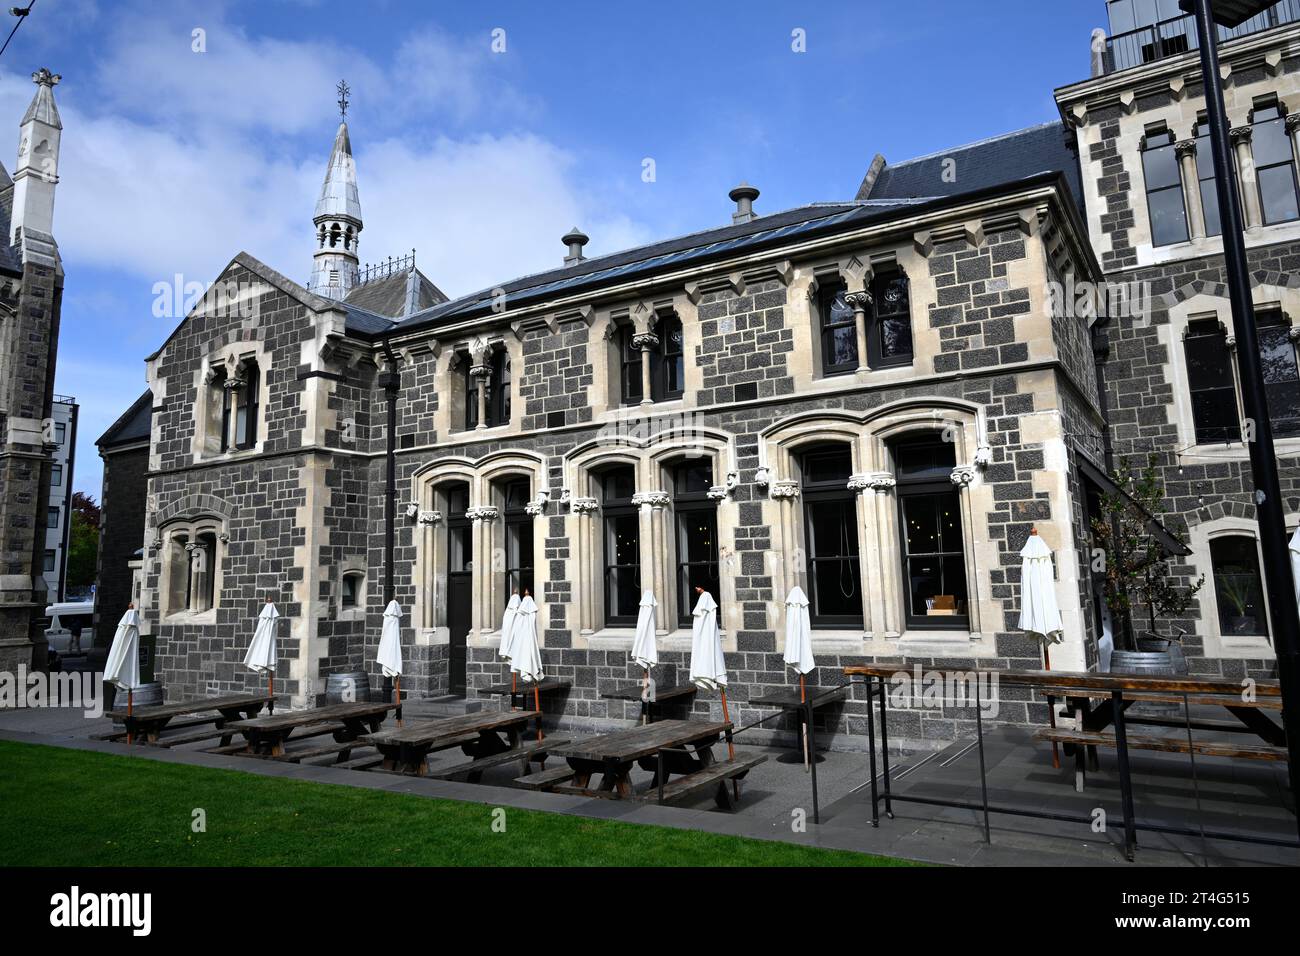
x,y
173,161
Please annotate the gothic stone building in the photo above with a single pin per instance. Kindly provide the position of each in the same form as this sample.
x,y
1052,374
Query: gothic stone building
x,y
876,399
31,293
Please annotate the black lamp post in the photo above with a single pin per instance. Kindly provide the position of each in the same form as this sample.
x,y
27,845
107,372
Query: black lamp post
x,y
1263,461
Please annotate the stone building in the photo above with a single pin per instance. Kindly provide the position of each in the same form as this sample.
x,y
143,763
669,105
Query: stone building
x,y
58,522
31,293
875,398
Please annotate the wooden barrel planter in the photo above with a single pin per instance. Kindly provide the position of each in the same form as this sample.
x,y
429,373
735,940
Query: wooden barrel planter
x,y
146,695
1148,663
350,687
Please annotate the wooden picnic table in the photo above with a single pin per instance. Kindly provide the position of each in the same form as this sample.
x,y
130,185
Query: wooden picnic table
x,y
524,690
267,735
657,701
479,735
148,722
614,754
1096,711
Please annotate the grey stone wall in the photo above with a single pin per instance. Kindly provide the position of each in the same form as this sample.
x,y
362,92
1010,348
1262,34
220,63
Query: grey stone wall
x,y
121,533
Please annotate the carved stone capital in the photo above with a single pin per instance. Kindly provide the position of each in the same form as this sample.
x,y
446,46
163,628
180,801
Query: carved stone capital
x,y
430,517
655,499
881,481
858,301
718,493
1239,134
485,513
1293,333
1230,341
1292,121
583,506
859,482
983,456
645,341
962,475
1185,147
785,490
480,371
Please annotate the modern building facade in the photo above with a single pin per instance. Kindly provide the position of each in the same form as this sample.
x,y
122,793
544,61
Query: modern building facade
x,y
876,399
31,294
58,522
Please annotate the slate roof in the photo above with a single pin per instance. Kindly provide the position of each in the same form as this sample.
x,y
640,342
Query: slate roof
x,y
387,296
715,243
132,426
990,162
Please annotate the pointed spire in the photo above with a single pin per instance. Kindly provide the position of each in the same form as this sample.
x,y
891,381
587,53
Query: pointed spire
x,y
37,172
42,108
337,218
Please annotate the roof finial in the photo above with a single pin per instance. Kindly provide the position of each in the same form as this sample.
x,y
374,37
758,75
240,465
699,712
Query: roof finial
x,y
343,90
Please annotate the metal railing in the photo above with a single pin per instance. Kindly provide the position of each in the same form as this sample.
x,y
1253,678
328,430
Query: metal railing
x,y
1177,35
391,266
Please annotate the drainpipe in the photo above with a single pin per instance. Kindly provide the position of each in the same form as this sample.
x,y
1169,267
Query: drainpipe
x,y
390,381
1100,353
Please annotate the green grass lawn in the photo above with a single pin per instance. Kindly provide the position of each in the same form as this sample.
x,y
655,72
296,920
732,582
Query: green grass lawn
x,y
89,809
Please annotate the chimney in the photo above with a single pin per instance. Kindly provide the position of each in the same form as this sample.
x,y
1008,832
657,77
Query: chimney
x,y
575,240
743,196
37,170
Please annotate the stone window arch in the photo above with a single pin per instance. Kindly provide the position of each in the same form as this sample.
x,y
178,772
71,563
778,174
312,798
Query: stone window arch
x,y
1235,620
192,569
233,396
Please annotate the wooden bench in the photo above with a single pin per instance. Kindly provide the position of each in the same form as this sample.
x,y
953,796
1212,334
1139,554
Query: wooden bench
x,y
714,775
341,750
361,763
317,730
147,723
528,753
1207,748
479,735
544,779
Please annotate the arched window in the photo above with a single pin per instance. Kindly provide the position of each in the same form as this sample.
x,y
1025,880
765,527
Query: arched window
x,y
696,517
352,593
934,557
1238,590
1210,382
459,588
667,361
192,556
831,537
622,545
471,390
248,405
631,387
889,334
519,536
839,329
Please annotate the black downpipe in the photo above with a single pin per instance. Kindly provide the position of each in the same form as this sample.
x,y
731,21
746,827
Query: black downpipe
x,y
1100,355
390,381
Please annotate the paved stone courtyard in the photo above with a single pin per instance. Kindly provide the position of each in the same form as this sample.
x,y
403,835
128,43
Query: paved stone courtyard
x,y
1236,796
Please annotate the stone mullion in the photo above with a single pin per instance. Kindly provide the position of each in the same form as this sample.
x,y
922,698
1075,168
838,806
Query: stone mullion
x,y
869,567
1240,137
1186,152
1293,130
859,302
961,477
890,599
786,494
588,581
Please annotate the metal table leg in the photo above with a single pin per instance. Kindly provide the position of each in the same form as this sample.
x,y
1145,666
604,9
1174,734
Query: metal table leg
x,y
871,749
1125,779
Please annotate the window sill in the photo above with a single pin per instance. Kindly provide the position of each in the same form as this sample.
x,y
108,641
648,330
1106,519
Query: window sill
x,y
1237,451
192,617
922,642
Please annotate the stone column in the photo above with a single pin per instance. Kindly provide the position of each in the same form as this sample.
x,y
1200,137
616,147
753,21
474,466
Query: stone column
x,y
786,493
1186,152
859,302
1293,130
482,520
645,342
1240,137
427,566
655,576
481,374
870,569
962,476
887,599
587,580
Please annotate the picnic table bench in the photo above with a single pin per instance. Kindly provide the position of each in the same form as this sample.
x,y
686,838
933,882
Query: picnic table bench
x,y
666,747
526,689
148,722
658,700
266,736
406,749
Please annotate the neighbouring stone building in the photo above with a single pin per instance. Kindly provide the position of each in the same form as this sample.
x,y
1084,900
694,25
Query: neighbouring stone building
x,y
874,398
31,294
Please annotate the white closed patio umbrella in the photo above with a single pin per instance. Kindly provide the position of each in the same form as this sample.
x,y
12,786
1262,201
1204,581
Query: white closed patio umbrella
x,y
1040,615
708,665
645,648
798,647
508,626
525,655
261,650
122,669
390,650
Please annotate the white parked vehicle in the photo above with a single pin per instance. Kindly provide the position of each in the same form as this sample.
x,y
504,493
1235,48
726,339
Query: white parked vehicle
x,y
71,626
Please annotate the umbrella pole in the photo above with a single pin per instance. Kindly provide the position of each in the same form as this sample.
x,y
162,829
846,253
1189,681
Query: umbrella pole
x,y
1051,711
803,699
129,695
514,688
731,748
398,692
537,706
270,692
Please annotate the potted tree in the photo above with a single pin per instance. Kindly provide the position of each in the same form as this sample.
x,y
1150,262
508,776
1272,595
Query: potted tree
x,y
1136,570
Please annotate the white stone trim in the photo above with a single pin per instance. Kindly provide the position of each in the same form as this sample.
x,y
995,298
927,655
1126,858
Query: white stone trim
x,y
1216,644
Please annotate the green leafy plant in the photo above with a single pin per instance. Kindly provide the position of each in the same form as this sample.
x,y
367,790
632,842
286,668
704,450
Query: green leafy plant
x,y
1137,570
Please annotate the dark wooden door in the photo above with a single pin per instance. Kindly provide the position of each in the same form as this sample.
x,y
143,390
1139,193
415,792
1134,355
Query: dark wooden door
x,y
459,590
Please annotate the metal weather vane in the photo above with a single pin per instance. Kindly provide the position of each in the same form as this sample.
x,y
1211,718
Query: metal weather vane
x,y
343,90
